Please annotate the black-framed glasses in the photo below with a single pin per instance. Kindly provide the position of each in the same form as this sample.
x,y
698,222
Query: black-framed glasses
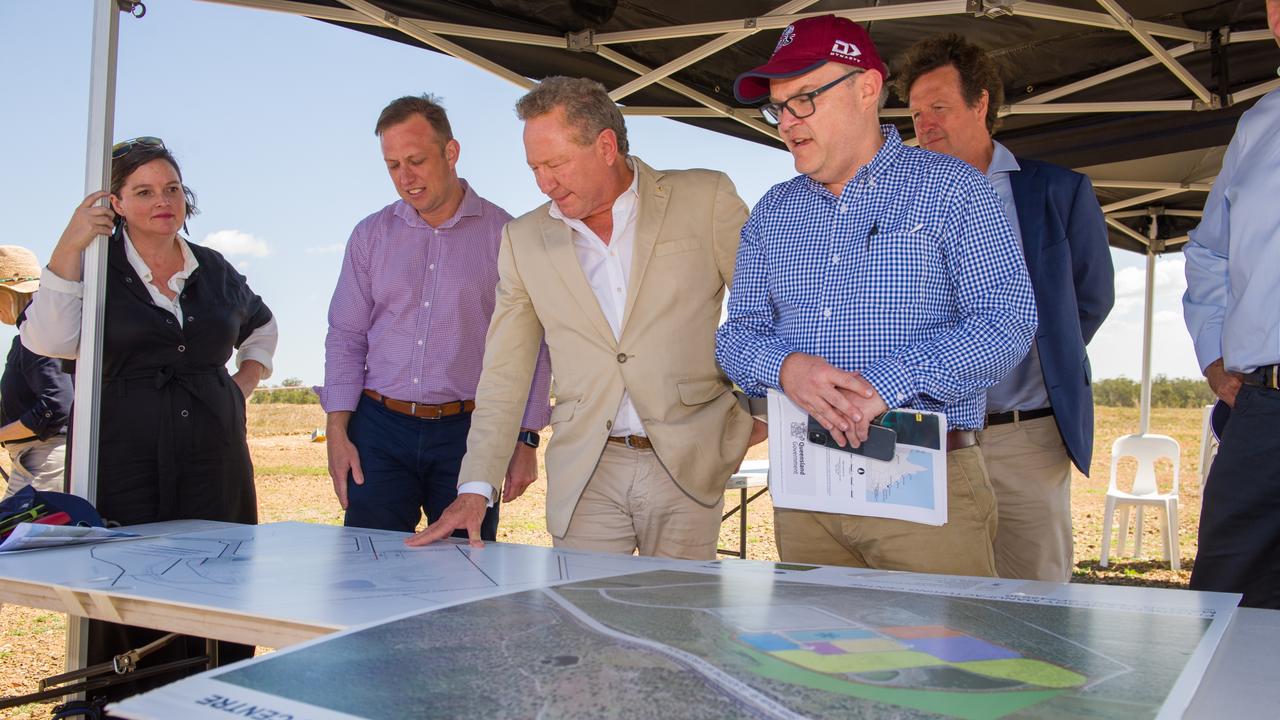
x,y
802,105
124,147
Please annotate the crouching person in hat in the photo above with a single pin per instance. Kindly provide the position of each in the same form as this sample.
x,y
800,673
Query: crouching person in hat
x,y
35,393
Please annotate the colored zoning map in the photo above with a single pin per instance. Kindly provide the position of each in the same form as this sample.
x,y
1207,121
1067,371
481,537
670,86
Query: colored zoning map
x,y
729,643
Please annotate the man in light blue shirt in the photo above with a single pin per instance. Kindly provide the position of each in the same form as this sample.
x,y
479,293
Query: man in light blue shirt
x,y
883,276
1040,416
1232,308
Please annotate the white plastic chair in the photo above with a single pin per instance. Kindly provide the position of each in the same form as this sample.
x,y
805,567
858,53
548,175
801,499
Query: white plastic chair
x,y
1146,449
1208,444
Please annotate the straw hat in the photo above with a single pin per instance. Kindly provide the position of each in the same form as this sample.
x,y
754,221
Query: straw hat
x,y
19,269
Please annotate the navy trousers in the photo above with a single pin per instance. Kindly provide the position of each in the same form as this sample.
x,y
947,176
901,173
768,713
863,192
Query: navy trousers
x,y
1239,547
410,468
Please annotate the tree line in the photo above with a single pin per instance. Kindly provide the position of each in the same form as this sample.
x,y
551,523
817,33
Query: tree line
x,y
1165,392
1113,392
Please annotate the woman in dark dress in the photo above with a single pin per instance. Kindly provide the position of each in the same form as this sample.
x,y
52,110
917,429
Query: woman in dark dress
x,y
172,425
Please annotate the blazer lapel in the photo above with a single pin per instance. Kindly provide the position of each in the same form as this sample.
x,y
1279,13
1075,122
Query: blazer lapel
x,y
1028,198
649,216
558,240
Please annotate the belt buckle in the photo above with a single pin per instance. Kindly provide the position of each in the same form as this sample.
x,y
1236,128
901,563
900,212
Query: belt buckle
x,y
1273,382
628,443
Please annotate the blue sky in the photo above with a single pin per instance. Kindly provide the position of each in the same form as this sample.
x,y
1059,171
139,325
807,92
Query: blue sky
x,y
271,117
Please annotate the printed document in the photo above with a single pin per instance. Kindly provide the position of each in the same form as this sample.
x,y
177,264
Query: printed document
x,y
805,475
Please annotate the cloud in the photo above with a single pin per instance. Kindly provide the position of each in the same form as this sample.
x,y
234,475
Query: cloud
x,y
234,243
326,249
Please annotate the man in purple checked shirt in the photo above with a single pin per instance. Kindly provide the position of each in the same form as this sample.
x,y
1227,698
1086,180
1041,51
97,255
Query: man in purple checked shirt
x,y
407,327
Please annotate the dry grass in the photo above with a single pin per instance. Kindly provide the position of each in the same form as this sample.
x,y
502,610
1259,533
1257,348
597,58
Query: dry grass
x,y
294,485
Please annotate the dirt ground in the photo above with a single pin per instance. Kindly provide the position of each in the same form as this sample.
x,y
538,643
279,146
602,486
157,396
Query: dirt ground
x,y
293,484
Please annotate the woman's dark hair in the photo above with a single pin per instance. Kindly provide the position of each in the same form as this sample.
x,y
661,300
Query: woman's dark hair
x,y
139,155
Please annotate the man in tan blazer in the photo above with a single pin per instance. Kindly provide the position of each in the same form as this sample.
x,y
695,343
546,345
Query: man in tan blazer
x,y
623,273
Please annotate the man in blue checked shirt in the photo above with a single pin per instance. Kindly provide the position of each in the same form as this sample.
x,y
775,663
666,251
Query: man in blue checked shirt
x,y
883,276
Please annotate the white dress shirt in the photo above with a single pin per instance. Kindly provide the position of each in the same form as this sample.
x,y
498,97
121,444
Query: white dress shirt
x,y
608,270
53,318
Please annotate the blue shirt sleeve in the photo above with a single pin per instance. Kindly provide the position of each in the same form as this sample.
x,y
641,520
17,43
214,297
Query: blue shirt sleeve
x,y
747,345
994,298
53,391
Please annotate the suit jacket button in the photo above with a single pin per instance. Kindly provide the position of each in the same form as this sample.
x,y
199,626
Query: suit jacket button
x,y
608,424
622,357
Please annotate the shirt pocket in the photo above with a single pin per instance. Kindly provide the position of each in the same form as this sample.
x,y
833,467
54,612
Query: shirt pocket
x,y
679,245
900,270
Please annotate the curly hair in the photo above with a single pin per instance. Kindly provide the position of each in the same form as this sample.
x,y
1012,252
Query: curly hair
x,y
587,108
978,71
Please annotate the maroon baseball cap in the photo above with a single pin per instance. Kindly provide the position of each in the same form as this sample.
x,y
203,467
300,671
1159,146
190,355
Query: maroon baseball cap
x,y
804,46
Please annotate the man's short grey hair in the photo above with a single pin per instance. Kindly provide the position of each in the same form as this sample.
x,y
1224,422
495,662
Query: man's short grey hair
x,y
587,107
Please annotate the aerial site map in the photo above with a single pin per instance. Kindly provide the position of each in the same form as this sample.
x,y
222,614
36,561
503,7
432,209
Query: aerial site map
x,y
720,642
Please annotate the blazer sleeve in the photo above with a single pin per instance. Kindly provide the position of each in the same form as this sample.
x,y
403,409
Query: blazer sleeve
x,y
510,354
1091,268
729,215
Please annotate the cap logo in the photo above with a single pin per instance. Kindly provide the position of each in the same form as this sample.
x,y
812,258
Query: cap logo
x,y
788,35
845,49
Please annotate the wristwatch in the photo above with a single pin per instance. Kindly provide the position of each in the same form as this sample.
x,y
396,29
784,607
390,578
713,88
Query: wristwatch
x,y
528,437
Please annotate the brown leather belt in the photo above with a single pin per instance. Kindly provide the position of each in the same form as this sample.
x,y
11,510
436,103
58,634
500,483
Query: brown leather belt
x,y
635,442
960,439
1005,418
421,411
1267,376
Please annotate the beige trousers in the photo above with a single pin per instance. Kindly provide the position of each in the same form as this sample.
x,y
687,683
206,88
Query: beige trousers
x,y
38,463
960,547
1031,473
631,503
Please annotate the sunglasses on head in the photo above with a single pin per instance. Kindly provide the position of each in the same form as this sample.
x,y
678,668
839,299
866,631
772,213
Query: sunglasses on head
x,y
124,147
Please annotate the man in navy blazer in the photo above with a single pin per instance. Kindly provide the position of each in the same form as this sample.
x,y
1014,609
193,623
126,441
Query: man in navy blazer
x,y
1040,417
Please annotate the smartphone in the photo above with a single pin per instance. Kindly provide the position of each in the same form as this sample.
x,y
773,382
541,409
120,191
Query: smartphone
x,y
881,442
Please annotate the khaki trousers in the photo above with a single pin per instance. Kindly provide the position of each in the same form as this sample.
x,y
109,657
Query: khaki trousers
x,y
960,547
1031,473
631,503
38,463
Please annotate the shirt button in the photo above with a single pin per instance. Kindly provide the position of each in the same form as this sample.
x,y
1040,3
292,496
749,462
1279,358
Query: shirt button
x,y
184,413
426,304
432,266
835,259
622,357
826,312
191,318
169,321
48,414
128,279
843,209
419,342
182,348
415,381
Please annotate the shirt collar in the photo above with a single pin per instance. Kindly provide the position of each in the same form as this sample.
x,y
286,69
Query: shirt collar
x,y
1002,161
628,196
189,262
471,206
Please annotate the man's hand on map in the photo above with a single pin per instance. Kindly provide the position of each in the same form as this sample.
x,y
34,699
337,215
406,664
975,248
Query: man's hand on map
x,y
522,472
868,408
343,457
465,512
826,393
